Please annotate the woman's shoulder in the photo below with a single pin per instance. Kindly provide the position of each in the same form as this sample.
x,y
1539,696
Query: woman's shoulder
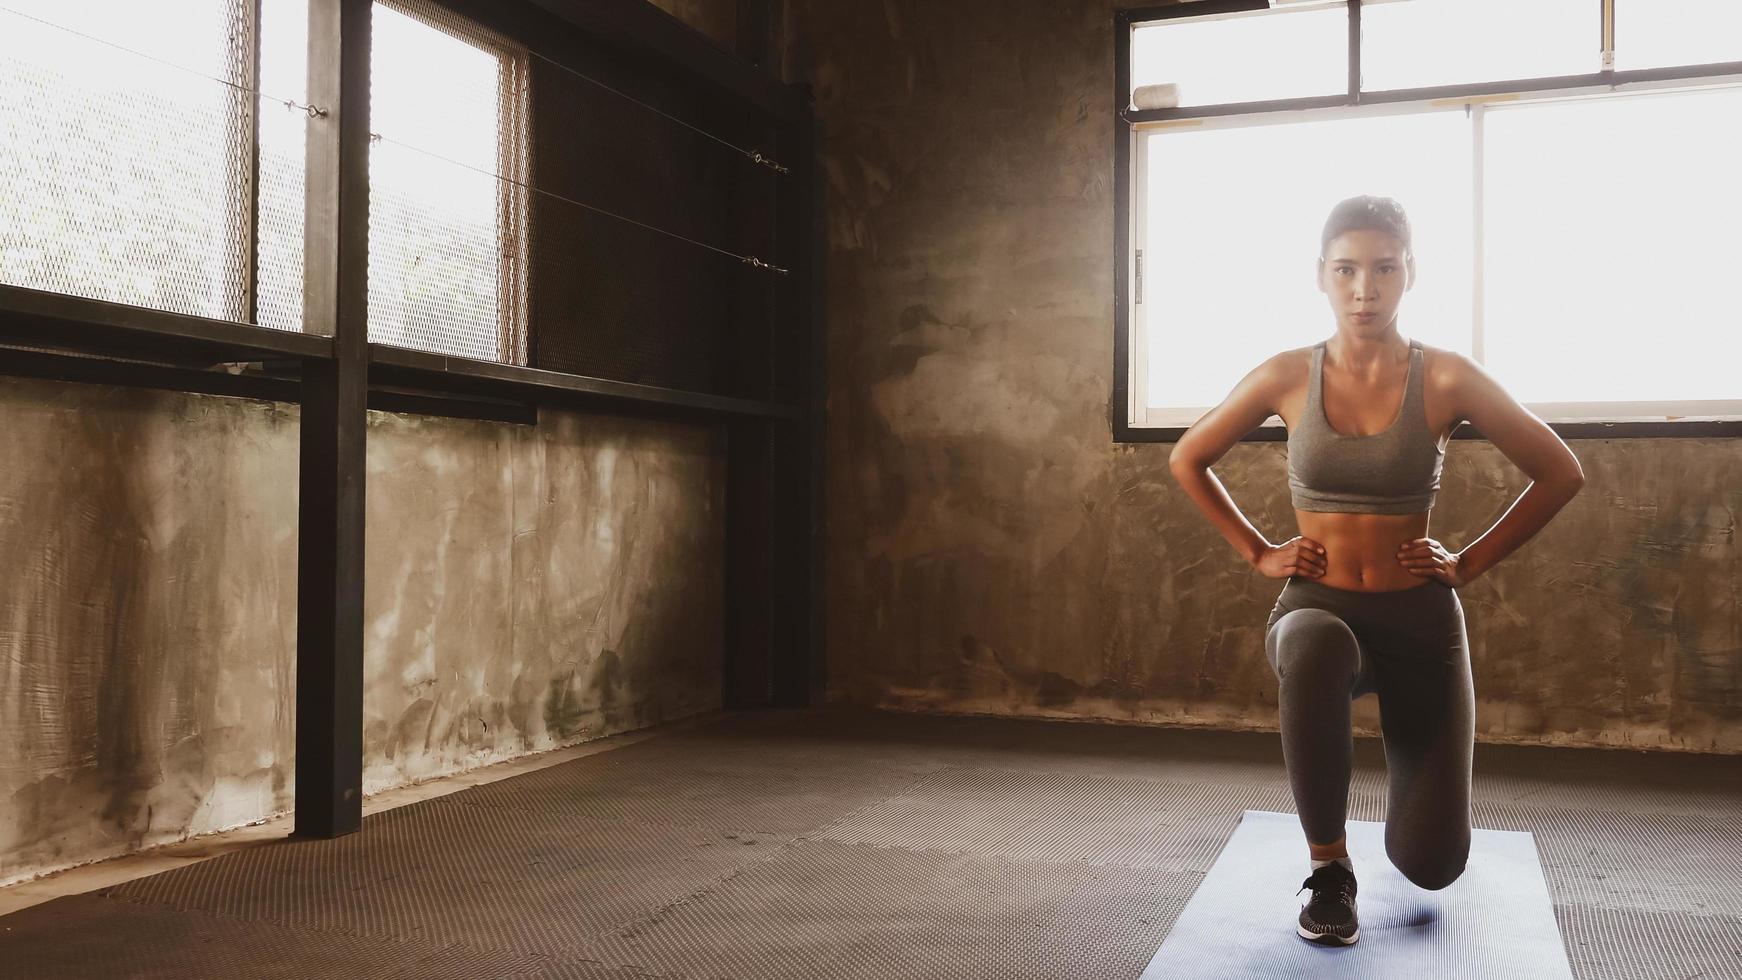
x,y
1293,355
1286,371
1443,369
1292,361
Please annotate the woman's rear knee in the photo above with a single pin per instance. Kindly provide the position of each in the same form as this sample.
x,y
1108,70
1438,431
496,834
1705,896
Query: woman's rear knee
x,y
1316,639
1430,869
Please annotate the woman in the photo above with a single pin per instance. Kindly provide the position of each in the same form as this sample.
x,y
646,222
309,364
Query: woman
x,y
1369,605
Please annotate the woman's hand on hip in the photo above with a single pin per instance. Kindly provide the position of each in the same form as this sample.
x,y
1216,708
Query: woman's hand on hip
x,y
1297,556
1427,557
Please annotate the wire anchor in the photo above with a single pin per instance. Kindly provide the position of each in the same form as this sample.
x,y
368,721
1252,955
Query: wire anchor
x,y
758,263
768,162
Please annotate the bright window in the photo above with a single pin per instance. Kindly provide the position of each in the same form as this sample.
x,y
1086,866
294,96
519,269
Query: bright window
x,y
1247,57
1615,281
1656,33
1577,242
136,167
122,175
1421,43
445,228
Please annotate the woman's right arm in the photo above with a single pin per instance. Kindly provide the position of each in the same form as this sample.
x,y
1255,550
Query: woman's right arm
x,y
1252,401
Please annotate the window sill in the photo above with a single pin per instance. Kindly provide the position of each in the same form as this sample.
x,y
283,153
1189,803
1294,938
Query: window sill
x,y
1702,428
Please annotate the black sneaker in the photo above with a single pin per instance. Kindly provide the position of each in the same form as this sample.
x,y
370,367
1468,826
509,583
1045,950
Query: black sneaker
x,y
1329,916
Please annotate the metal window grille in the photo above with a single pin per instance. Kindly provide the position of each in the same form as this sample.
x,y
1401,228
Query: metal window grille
x,y
124,164
448,185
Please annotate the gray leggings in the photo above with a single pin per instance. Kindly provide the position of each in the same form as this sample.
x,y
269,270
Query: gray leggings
x,y
1329,646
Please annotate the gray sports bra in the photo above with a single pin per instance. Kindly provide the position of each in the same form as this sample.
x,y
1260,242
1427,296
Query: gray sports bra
x,y
1396,471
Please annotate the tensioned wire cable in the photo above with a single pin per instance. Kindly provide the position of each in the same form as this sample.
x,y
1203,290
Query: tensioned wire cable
x,y
752,154
749,259
317,112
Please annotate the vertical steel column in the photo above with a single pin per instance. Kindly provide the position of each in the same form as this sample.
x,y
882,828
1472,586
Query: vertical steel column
x,y
774,470
796,475
750,526
812,323
329,577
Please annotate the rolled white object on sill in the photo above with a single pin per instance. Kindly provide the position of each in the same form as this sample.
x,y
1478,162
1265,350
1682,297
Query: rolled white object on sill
x,y
1163,96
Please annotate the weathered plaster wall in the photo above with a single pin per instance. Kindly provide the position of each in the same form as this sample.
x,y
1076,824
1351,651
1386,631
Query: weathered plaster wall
x,y
990,549
526,587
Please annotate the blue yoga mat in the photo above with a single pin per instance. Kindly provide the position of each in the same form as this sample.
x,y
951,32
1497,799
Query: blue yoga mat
x,y
1495,922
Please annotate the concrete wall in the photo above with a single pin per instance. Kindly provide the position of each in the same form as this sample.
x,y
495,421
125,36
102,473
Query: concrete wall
x,y
527,587
990,549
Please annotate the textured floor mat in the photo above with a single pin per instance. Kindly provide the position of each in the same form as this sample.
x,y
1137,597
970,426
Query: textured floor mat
x,y
1667,862
742,795
824,909
1640,944
445,873
1058,816
85,937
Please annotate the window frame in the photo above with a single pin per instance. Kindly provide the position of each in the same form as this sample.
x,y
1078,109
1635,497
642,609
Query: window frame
x,y
513,155
1132,127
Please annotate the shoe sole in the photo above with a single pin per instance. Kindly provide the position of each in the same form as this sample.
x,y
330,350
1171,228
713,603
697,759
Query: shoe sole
x,y
1325,938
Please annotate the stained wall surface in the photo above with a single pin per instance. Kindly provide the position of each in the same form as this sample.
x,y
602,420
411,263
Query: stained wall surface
x,y
991,549
527,587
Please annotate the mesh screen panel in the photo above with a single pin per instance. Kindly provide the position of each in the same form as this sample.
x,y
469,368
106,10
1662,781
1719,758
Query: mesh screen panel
x,y
446,198
283,163
122,178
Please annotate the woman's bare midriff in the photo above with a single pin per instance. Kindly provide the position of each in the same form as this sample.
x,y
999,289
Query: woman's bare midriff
x,y
1361,549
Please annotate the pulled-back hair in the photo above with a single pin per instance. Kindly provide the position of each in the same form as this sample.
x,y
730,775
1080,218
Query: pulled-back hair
x,y
1366,212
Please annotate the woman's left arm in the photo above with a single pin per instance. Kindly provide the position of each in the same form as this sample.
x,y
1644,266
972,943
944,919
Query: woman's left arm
x,y
1531,445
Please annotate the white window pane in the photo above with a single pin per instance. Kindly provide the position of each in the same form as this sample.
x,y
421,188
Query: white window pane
x,y
1611,248
1419,43
1657,33
1233,223
434,253
283,162
122,177
1281,54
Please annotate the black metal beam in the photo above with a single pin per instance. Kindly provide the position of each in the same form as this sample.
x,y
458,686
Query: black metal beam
x,y
133,374
38,318
388,398
329,629
1191,8
443,372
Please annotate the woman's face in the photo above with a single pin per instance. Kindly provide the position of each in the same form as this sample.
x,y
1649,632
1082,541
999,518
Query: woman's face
x,y
1365,274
